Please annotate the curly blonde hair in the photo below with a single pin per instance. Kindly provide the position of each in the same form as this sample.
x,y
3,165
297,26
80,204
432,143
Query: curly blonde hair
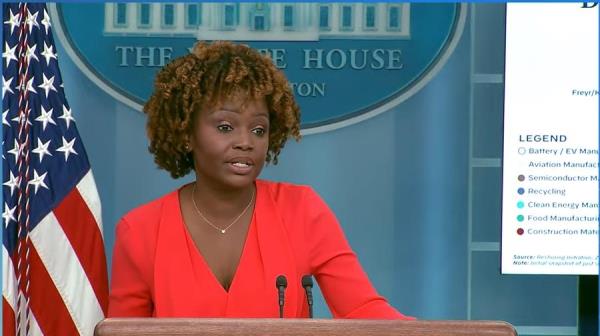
x,y
208,75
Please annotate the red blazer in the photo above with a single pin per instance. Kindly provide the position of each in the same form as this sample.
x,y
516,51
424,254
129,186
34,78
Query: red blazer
x,y
158,271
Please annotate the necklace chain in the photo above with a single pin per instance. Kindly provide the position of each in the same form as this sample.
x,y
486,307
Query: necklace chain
x,y
221,230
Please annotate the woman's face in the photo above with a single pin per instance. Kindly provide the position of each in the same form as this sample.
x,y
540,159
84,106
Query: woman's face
x,y
230,142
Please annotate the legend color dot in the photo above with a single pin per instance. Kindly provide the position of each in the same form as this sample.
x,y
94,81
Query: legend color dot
x,y
520,204
520,218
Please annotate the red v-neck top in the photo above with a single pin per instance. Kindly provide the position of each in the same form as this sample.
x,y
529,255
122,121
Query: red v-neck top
x,y
158,271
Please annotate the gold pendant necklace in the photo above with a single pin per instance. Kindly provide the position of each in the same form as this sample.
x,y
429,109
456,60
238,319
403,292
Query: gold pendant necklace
x,y
221,230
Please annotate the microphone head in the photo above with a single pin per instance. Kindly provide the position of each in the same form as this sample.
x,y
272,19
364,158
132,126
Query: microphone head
x,y
281,281
307,281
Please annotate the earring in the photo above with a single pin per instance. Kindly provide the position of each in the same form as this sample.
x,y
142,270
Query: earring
x,y
188,148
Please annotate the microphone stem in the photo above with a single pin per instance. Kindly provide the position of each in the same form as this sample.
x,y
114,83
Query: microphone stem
x,y
281,283
281,290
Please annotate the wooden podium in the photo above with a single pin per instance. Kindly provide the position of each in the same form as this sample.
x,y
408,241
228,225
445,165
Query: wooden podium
x,y
298,327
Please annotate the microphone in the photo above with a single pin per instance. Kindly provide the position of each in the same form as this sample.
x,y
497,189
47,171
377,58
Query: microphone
x,y
281,284
307,283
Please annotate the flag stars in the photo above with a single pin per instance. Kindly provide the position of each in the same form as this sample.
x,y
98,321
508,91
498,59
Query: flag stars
x,y
42,149
46,21
67,116
20,117
26,86
13,182
31,20
4,115
8,214
48,53
45,118
9,53
16,151
67,148
47,85
6,86
30,53
29,86
13,21
37,181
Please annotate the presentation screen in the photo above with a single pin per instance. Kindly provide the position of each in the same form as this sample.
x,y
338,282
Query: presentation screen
x,y
550,154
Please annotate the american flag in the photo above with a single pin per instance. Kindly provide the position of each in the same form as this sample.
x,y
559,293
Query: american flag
x,y
54,266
